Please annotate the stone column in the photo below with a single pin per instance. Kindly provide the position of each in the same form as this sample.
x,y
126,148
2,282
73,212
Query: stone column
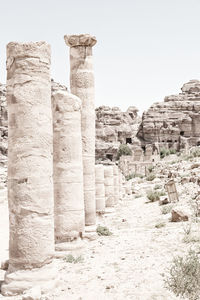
x,y
68,171
100,189
116,183
30,169
120,185
82,85
109,188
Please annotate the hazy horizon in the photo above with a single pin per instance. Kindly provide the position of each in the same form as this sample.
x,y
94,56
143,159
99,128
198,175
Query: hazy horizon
x,y
145,49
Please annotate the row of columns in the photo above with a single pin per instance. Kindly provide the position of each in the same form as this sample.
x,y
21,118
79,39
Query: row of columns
x,y
109,187
51,169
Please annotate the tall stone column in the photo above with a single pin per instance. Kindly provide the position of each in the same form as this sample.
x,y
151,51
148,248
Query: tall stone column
x,y
100,189
82,85
116,183
109,188
68,171
30,169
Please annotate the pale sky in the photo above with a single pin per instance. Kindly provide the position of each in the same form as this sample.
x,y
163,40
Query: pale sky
x,y
146,49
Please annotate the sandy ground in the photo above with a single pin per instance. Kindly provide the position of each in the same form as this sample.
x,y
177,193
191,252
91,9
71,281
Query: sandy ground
x,y
126,265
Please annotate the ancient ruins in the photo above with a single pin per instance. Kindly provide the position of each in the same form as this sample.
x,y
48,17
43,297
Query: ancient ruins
x,y
30,168
69,173
68,169
82,85
51,162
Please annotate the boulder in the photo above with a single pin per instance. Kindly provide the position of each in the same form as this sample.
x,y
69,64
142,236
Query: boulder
x,y
179,215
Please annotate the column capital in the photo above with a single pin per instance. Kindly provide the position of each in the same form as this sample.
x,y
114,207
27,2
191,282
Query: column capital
x,y
74,40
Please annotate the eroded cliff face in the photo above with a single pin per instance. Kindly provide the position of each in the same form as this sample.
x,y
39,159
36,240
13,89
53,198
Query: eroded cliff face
x,y
175,122
114,127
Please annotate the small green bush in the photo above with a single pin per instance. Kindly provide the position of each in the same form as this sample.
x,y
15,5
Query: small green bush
x,y
164,152
157,187
153,195
166,209
138,196
150,168
195,152
134,175
172,151
123,150
162,193
151,177
160,225
71,259
103,230
183,277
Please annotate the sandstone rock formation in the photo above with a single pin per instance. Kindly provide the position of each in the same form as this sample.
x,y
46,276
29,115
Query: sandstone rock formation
x,y
30,169
114,127
174,123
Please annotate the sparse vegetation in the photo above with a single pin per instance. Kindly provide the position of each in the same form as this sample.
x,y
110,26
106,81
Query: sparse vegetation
x,y
160,225
166,209
157,187
183,277
195,152
153,195
150,168
103,230
165,152
172,151
138,196
151,177
123,150
71,259
134,175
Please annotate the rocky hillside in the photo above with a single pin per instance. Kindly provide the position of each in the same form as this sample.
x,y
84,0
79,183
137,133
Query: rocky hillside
x,y
175,122
114,127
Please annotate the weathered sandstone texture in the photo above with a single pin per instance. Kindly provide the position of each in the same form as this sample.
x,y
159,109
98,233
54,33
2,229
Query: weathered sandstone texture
x,y
82,85
30,168
174,123
68,167
109,186
114,127
99,188
116,183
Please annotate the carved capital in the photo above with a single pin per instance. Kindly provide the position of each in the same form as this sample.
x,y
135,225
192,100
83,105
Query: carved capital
x,y
80,40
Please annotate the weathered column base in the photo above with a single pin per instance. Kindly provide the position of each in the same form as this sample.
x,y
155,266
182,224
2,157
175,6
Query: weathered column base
x,y
19,281
75,247
90,232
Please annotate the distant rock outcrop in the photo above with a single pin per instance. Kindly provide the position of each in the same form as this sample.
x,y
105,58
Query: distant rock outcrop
x,y
114,127
174,123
